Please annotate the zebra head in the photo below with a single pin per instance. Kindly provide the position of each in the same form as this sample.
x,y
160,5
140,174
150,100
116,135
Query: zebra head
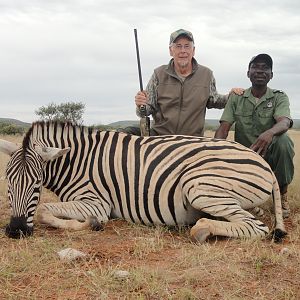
x,y
24,174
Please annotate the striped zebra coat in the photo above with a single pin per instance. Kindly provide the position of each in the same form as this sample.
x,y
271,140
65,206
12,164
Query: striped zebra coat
x,y
169,180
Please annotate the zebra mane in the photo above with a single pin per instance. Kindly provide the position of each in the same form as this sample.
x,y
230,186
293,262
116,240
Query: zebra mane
x,y
26,141
39,126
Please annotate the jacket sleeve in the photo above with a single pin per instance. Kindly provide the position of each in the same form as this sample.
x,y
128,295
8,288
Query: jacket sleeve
x,y
215,100
151,90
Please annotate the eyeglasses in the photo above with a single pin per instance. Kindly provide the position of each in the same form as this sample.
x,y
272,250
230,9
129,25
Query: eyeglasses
x,y
185,46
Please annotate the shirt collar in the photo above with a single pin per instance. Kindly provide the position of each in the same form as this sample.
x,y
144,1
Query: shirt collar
x,y
171,70
269,93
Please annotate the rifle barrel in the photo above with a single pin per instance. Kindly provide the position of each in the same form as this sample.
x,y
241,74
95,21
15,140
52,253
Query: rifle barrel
x,y
138,59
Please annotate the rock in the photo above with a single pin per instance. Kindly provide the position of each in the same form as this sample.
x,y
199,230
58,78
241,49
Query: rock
x,y
285,251
121,274
70,254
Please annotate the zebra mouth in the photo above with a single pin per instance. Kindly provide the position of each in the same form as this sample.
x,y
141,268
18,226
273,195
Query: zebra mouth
x,y
18,228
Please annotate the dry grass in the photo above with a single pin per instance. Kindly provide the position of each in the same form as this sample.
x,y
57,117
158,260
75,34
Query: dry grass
x,y
162,263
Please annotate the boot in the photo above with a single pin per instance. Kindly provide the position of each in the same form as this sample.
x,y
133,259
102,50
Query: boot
x,y
285,206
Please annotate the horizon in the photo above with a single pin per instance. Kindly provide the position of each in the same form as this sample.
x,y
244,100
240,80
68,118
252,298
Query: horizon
x,y
120,121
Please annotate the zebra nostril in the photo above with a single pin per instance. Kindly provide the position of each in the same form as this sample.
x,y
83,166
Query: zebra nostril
x,y
18,228
12,233
18,233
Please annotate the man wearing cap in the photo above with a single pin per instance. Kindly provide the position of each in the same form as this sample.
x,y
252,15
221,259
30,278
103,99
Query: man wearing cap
x,y
262,118
178,94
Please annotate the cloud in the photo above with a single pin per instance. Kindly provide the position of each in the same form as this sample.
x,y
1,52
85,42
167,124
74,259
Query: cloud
x,y
56,51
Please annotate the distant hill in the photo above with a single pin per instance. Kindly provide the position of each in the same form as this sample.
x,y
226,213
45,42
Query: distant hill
x,y
125,123
209,123
296,124
15,122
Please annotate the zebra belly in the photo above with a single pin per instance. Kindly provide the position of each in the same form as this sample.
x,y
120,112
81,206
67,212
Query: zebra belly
x,y
184,212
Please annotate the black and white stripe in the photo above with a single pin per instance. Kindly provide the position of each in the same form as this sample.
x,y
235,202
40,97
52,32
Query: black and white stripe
x,y
150,180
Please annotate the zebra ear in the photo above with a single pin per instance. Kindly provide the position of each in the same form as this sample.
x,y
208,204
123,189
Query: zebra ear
x,y
51,153
9,147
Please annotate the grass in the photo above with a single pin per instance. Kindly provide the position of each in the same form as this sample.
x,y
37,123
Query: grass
x,y
162,263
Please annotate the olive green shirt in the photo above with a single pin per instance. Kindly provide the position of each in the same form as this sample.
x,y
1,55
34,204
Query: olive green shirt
x,y
253,116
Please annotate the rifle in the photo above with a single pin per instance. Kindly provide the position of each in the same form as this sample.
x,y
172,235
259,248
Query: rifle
x,y
145,120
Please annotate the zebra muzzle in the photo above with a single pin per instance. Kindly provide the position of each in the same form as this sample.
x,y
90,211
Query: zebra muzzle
x,y
18,228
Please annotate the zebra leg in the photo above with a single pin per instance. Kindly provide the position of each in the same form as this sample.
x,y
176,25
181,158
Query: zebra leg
x,y
74,215
257,211
240,223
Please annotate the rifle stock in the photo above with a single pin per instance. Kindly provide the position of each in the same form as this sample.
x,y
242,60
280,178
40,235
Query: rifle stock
x,y
144,120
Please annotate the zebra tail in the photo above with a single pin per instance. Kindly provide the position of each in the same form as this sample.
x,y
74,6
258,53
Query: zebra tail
x,y
279,232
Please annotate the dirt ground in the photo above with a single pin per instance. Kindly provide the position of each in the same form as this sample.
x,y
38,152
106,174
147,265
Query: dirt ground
x,y
162,264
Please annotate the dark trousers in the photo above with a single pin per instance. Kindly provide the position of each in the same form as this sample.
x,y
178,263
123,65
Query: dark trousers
x,y
280,156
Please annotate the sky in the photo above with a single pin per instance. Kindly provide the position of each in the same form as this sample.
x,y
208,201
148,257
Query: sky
x,y
84,51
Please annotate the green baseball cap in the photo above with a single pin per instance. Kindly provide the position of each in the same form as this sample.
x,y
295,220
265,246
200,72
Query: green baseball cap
x,y
181,32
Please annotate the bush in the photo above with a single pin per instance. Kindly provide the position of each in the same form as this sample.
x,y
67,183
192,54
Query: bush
x,y
11,129
103,127
64,112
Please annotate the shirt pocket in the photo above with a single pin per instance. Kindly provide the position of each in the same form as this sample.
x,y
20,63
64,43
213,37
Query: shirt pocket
x,y
243,117
266,112
266,118
241,113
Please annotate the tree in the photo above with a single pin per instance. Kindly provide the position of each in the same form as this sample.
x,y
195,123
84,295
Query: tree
x,y
48,113
69,111
11,129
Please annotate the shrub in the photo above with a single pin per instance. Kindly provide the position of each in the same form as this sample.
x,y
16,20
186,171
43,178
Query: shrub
x,y
11,129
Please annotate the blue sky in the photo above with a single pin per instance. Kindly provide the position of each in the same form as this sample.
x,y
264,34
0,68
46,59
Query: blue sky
x,y
59,51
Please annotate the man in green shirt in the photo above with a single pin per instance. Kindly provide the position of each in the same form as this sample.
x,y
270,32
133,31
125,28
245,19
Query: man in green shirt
x,y
262,118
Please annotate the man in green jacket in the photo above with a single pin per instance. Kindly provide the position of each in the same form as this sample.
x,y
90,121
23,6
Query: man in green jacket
x,y
262,118
178,94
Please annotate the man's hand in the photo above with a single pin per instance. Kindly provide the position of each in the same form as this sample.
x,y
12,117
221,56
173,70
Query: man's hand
x,y
262,143
141,98
237,91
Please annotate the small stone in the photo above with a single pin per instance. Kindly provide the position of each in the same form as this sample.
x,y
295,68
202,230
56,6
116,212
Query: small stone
x,y
121,274
285,251
70,254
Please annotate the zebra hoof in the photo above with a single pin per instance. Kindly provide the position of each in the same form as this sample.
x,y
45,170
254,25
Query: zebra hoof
x,y
95,224
200,235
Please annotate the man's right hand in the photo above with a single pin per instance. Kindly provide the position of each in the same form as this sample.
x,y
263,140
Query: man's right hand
x,y
141,98
262,143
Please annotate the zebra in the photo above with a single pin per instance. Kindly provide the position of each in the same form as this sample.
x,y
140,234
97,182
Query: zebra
x,y
168,180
